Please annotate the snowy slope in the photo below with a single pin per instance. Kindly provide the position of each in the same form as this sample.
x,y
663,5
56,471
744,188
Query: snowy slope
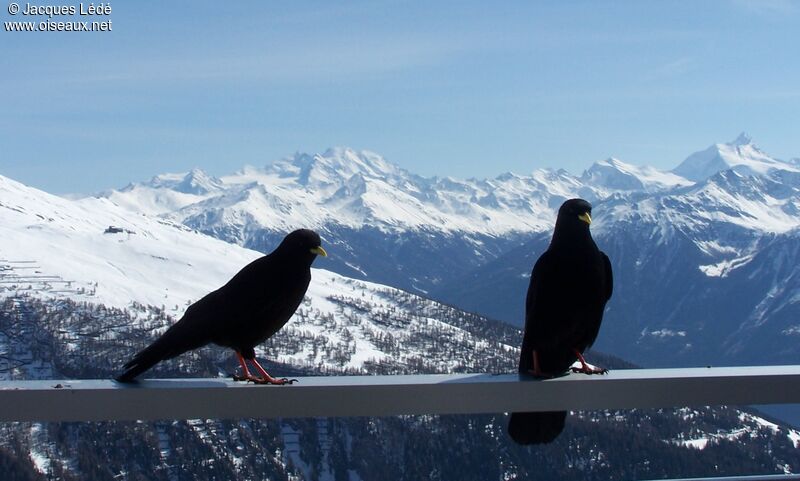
x,y
150,261
615,175
57,248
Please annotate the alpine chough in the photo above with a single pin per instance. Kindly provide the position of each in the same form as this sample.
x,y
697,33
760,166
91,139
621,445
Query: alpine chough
x,y
570,285
243,313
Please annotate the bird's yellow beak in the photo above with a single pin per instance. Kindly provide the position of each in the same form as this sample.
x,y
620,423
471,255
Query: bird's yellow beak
x,y
586,218
319,251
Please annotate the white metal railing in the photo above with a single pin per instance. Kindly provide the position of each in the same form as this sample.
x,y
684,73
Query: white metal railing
x,y
106,400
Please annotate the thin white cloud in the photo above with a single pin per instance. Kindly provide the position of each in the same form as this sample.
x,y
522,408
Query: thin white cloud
x,y
771,8
673,68
309,62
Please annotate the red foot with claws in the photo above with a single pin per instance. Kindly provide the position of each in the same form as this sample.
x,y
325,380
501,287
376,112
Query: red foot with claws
x,y
261,380
265,377
585,368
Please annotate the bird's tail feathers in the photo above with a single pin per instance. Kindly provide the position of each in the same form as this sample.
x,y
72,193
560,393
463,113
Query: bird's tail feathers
x,y
536,428
144,360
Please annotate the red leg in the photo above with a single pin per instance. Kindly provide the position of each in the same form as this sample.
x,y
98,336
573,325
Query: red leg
x,y
265,377
246,376
585,368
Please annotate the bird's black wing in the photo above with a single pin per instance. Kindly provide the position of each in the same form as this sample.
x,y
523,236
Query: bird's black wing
x,y
564,307
609,276
604,289
537,309
259,300
546,300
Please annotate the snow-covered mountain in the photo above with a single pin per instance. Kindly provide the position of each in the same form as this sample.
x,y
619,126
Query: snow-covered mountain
x,y
381,219
741,155
613,175
344,188
389,225
358,199
426,234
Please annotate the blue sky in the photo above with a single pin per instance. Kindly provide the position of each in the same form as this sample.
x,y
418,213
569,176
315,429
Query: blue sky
x,y
441,88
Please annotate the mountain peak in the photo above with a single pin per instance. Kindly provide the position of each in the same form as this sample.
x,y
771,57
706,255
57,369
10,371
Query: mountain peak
x,y
740,154
196,182
614,174
742,139
334,166
612,161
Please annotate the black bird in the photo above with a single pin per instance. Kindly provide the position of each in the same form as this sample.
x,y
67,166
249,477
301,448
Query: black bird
x,y
570,285
243,313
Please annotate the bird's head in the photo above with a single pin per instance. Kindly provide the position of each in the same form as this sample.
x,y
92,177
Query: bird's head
x,y
304,243
575,210
572,222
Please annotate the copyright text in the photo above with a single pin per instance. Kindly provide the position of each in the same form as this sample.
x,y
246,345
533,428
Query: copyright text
x,y
83,17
